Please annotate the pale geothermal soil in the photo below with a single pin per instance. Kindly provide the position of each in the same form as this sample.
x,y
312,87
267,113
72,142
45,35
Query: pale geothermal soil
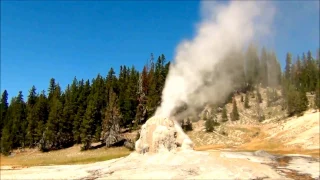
x,y
301,131
169,165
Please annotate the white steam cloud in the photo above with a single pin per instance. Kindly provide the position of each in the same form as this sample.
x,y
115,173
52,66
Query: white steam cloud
x,y
192,78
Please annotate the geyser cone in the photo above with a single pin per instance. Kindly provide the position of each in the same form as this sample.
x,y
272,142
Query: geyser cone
x,y
162,134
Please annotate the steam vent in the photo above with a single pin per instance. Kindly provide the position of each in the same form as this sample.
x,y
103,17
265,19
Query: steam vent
x,y
159,134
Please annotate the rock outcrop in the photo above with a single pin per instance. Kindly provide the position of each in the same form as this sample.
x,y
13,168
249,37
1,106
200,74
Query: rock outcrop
x,y
159,134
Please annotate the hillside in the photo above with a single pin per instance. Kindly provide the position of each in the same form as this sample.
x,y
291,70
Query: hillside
x,y
276,133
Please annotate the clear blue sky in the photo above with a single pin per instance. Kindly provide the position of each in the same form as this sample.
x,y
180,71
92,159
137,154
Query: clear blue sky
x,y
63,39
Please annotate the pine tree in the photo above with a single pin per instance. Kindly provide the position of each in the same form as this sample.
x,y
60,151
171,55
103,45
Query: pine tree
x,y
123,86
309,72
97,91
252,65
188,125
298,77
131,102
151,103
183,125
19,122
6,140
264,67
291,101
166,71
235,113
111,122
91,116
67,119
235,60
297,101
87,128
269,98
274,70
81,102
42,112
312,72
211,121
294,71
51,88
259,96
141,114
224,114
258,108
3,108
84,92
303,101
32,116
317,96
145,80
156,77
285,93
209,125
7,135
71,107
162,75
288,66
246,101
111,82
159,78
52,138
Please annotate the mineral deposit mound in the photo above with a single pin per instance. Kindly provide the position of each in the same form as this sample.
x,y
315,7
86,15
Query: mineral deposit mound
x,y
162,134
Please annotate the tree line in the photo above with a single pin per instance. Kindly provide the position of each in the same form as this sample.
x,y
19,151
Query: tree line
x,y
301,75
59,119
85,110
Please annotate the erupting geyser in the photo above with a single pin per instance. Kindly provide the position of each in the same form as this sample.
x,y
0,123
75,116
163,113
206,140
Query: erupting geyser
x,y
226,27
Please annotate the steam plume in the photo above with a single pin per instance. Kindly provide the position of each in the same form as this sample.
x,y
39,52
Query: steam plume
x,y
194,78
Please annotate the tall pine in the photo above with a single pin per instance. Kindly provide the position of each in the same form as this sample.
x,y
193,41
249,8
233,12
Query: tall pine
x,y
224,115
3,110
32,116
19,121
234,113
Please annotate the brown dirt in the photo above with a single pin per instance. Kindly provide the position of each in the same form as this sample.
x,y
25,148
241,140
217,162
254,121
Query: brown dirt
x,y
296,176
283,161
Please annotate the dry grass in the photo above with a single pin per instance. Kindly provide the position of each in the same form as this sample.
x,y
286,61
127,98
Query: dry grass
x,y
72,155
312,152
210,147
